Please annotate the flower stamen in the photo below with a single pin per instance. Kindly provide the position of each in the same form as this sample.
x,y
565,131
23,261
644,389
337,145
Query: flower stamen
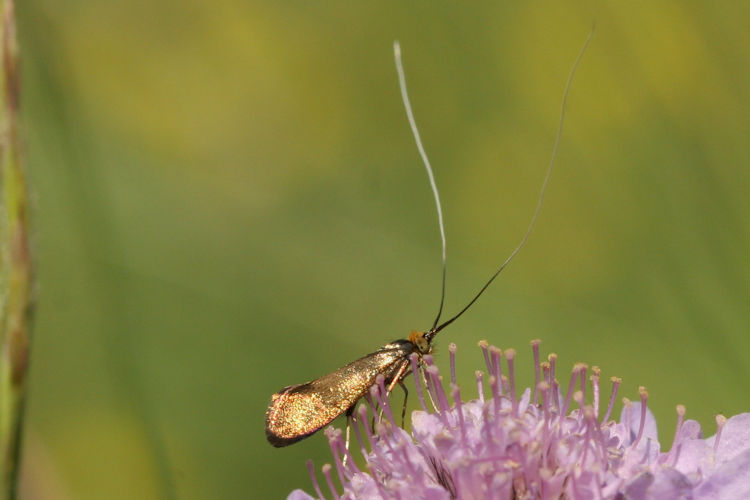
x,y
452,350
413,359
510,354
327,474
596,372
571,388
720,421
316,486
537,371
484,346
644,397
497,371
456,393
672,457
480,387
616,381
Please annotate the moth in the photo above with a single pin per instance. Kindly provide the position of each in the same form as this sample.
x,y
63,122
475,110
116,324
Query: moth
x,y
298,411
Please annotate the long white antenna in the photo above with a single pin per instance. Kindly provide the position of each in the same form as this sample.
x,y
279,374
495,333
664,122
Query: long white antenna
x,y
425,160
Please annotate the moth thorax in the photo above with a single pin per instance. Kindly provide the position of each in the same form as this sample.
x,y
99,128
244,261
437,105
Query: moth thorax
x,y
419,340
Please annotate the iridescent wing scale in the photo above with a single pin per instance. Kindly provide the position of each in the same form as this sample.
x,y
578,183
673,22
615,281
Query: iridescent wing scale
x,y
300,410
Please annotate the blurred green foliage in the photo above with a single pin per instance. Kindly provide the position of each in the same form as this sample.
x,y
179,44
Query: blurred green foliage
x,y
228,200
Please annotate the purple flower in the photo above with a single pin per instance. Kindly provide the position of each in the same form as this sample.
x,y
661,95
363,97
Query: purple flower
x,y
545,443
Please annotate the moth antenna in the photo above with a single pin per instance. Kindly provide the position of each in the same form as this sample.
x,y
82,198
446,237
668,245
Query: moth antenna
x,y
542,192
425,160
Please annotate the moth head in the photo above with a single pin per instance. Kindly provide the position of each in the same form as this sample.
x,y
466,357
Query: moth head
x,y
420,340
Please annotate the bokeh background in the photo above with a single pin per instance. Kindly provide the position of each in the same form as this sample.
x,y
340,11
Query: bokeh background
x,y
228,200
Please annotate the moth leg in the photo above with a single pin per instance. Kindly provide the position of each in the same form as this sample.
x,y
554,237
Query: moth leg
x,y
398,378
349,419
429,392
403,408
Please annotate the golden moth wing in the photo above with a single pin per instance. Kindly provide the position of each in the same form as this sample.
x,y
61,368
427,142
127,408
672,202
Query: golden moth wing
x,y
300,410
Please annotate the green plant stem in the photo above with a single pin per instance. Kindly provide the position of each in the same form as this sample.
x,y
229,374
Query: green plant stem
x,y
15,263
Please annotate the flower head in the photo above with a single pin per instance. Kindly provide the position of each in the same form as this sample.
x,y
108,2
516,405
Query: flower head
x,y
538,443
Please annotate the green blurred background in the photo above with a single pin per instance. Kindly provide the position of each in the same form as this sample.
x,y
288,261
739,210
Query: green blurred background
x,y
228,200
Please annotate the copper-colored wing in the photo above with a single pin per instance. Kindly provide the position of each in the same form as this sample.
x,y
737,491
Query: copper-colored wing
x,y
300,410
